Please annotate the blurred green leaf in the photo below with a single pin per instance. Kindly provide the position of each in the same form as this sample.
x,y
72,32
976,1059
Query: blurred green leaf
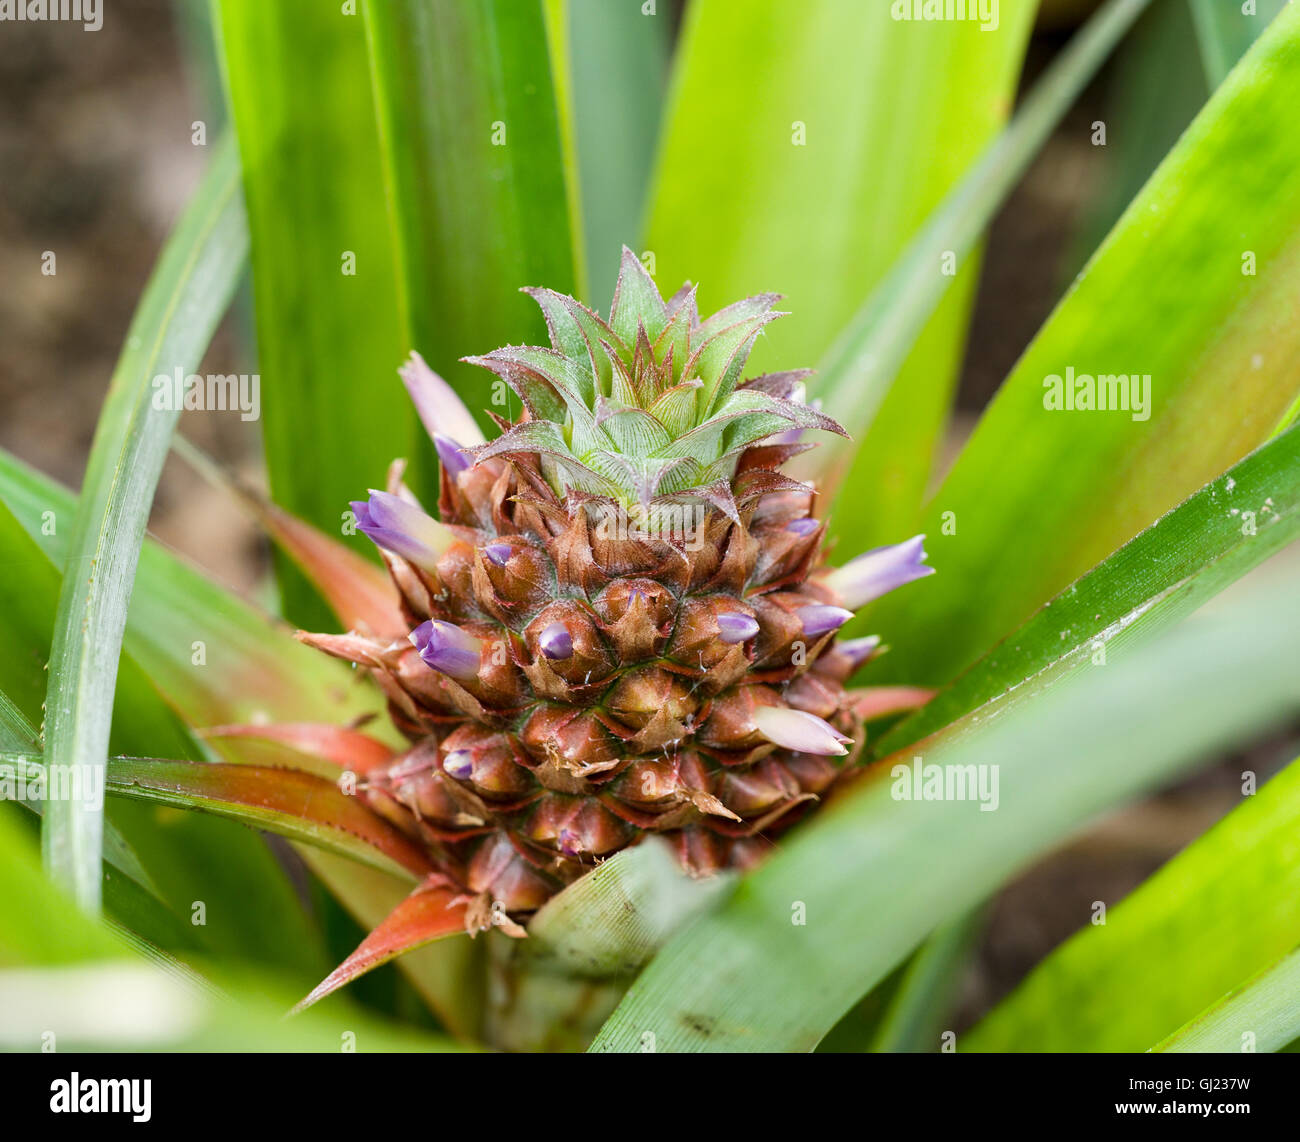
x,y
252,671
473,159
803,146
619,64
38,921
1223,908
16,732
913,1019
329,336
185,299
1040,495
1151,96
18,735
1267,1008
870,875
1225,30
1210,540
62,969
889,461
250,668
187,857
130,895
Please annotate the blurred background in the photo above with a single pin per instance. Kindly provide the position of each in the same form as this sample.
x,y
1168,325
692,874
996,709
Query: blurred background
x,y
97,162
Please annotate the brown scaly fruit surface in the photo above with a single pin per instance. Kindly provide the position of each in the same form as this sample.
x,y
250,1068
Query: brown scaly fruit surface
x,y
622,625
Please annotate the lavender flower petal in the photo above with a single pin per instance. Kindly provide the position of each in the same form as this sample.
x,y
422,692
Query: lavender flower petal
x,y
439,408
799,731
459,763
555,642
447,649
858,650
820,618
450,455
498,553
402,528
734,627
875,573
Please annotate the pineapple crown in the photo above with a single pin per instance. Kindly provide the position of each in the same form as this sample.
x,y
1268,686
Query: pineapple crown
x,y
648,407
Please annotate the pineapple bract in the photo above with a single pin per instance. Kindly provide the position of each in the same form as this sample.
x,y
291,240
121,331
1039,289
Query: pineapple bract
x,y
620,625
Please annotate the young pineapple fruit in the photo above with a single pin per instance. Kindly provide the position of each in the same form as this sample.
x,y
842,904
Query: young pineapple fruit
x,y
621,624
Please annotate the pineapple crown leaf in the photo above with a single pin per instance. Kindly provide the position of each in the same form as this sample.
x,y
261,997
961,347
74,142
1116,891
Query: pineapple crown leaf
x,y
649,404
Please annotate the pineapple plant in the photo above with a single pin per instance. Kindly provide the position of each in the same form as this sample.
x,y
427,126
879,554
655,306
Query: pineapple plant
x,y
594,684
621,624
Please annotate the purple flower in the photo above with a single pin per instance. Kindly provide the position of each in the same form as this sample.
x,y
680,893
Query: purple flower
x,y
819,618
440,409
498,553
805,526
450,455
875,573
858,650
402,528
555,642
459,763
735,626
799,731
447,649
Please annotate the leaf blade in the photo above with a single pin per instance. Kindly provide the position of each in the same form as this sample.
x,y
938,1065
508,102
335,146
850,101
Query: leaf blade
x,y
1159,576
1221,362
186,296
1147,971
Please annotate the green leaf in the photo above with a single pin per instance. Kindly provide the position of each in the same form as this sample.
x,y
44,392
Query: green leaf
x,y
1211,539
329,336
619,65
803,146
874,874
1225,31
61,969
610,922
187,857
185,298
253,672
1223,908
1040,495
1267,1009
473,161
289,802
914,1017
251,669
1151,96
894,417
18,735
134,1005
